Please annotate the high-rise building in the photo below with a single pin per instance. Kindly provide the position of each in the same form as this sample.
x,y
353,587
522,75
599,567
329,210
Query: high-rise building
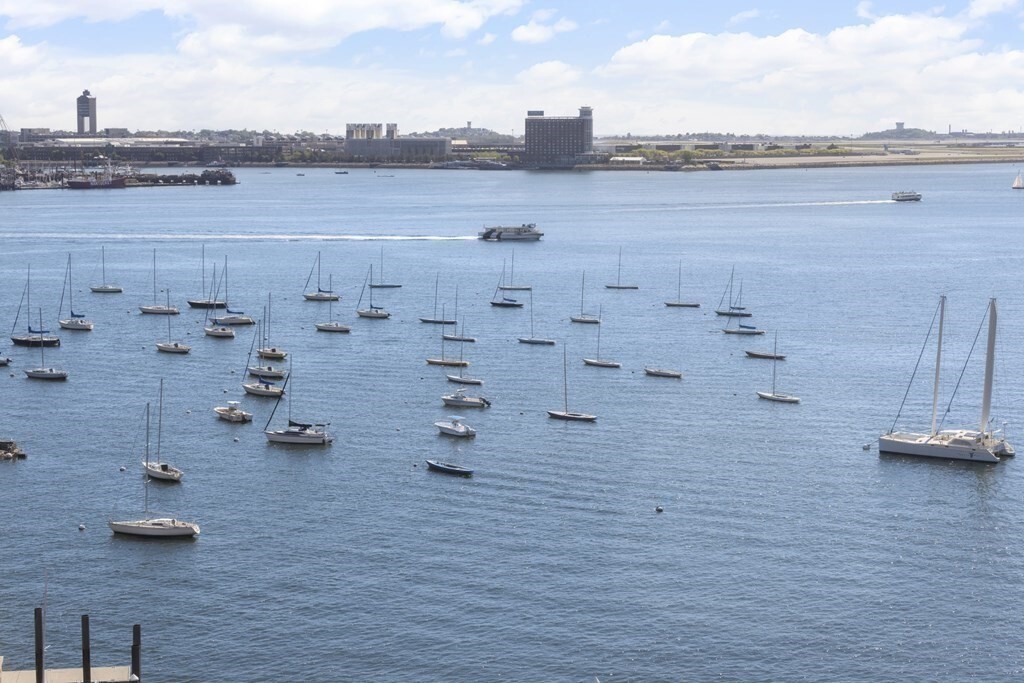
x,y
558,140
86,110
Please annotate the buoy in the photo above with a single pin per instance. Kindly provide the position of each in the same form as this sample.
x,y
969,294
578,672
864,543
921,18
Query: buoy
x,y
659,509
81,527
225,391
188,412
867,447
236,439
122,468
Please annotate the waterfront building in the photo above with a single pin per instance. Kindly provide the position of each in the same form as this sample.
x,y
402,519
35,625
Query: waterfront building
x,y
558,141
86,108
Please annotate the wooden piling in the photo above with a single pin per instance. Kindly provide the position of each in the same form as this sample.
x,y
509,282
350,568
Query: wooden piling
x,y
40,664
137,652
86,651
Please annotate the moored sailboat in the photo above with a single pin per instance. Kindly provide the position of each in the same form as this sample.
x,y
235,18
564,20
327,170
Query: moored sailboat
x,y
565,413
75,321
105,287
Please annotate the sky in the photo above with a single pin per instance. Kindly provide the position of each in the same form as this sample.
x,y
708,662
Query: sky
x,y
647,67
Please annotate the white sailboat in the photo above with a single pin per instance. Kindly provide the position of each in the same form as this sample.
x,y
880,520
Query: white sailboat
x,y
266,349
618,277
43,372
75,321
382,284
980,445
170,346
160,527
230,317
584,317
533,339
372,312
1018,182
565,413
433,319
297,433
320,294
503,301
597,361
155,308
105,287
160,470
442,360
775,395
512,286
679,303
332,325
211,300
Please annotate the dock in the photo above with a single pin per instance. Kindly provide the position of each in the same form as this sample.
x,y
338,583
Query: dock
x,y
106,674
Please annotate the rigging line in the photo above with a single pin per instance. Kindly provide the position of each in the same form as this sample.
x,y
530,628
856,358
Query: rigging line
x,y
18,314
916,366
963,369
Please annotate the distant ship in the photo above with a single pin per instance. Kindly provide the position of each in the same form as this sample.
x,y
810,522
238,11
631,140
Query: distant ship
x,y
524,232
1018,182
906,196
102,183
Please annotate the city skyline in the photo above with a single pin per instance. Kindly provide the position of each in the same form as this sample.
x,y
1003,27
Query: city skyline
x,y
648,68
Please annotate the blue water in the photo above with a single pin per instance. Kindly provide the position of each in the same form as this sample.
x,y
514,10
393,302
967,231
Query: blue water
x,y
785,550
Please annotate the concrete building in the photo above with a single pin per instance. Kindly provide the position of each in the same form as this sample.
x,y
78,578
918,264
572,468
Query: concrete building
x,y
86,108
380,142
558,141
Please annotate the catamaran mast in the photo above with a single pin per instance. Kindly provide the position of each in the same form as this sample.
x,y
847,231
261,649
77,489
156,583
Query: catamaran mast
x,y
938,361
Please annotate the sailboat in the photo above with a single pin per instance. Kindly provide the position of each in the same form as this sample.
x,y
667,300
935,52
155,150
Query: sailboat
x,y
157,469
171,346
511,286
300,433
980,445
231,317
215,329
372,311
265,349
105,287
448,362
155,308
331,325
461,336
319,294
584,317
742,329
1018,182
503,301
382,284
679,303
734,309
210,301
618,277
774,395
162,527
532,339
565,413
461,378
43,372
433,317
38,337
598,361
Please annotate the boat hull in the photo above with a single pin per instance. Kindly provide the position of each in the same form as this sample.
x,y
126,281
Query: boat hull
x,y
207,303
221,332
457,338
267,372
951,445
572,417
384,285
778,398
507,304
173,347
438,321
765,355
299,437
333,327
233,320
271,353
536,341
455,429
597,363
34,340
448,468
263,390
448,363
106,289
622,286
458,379
155,528
681,304
321,296
162,471
586,319
232,414
743,331
159,310
466,401
734,314
76,324
51,374
655,372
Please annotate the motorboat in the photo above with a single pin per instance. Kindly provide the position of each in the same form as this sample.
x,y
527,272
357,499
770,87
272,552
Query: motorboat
x,y
459,398
527,232
448,468
232,412
454,426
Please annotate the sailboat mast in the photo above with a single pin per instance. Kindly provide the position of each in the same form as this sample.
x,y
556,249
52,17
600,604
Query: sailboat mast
x,y
618,271
938,361
775,360
103,262
990,362
154,277
42,346
145,483
565,376
160,421
583,283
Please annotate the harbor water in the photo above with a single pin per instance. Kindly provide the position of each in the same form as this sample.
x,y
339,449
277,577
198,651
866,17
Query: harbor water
x,y
787,549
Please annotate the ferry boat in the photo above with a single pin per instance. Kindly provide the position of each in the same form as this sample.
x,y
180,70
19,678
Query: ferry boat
x,y
906,196
501,233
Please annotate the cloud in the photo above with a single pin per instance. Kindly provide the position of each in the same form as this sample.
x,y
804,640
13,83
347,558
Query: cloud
x,y
979,9
537,31
486,39
547,75
743,16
